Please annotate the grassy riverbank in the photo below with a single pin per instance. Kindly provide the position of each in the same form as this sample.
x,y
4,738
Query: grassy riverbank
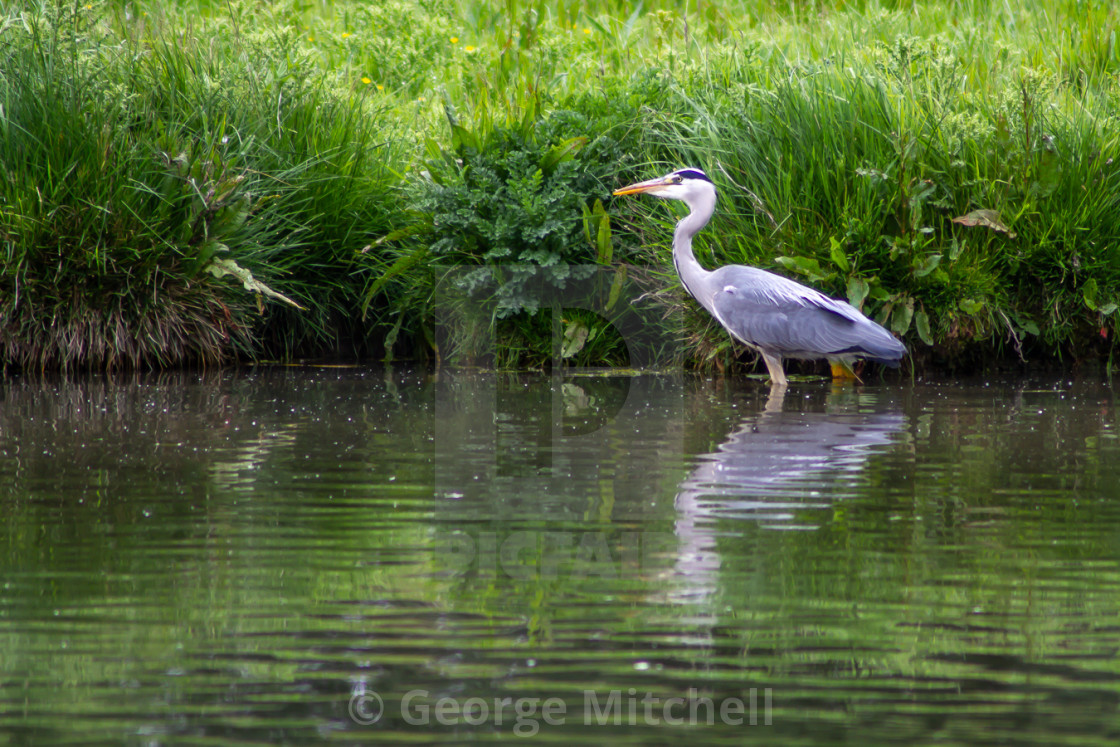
x,y
430,179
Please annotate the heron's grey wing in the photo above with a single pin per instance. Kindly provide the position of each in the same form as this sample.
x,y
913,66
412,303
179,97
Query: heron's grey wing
x,y
781,316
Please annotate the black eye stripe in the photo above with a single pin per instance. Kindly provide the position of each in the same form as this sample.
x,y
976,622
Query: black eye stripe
x,y
691,174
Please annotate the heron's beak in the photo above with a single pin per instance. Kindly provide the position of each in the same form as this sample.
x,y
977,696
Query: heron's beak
x,y
647,186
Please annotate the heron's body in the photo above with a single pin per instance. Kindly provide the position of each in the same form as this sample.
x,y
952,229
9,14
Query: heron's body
x,y
779,317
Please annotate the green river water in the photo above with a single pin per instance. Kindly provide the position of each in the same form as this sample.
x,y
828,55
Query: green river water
x,y
352,555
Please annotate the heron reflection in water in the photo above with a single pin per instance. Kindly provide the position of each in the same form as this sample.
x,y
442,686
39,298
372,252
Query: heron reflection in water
x,y
774,469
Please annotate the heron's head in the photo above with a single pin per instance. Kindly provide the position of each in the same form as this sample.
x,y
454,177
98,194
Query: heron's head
x,y
682,184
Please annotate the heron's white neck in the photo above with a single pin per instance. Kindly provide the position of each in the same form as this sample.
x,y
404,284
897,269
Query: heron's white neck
x,y
692,274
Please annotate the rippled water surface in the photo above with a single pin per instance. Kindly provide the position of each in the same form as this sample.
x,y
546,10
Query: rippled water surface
x,y
358,555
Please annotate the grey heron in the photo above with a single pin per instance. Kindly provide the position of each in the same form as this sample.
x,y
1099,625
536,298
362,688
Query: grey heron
x,y
778,317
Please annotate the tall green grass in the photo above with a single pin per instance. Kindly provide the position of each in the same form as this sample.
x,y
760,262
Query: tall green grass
x,y
948,166
139,159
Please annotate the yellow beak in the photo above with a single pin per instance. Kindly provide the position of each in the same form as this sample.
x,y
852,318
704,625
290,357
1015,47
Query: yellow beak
x,y
646,186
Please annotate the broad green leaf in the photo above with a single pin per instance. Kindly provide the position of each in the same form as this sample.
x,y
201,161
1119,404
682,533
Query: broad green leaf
x,y
971,306
1089,293
857,291
1048,173
532,113
222,267
901,316
955,249
431,147
616,286
921,324
575,337
839,258
462,138
806,266
989,218
926,265
878,292
603,239
589,220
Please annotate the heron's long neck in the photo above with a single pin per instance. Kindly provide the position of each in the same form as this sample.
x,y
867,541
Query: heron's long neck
x,y
691,272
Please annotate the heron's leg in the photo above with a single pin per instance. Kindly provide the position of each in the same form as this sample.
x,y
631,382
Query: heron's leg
x,y
774,363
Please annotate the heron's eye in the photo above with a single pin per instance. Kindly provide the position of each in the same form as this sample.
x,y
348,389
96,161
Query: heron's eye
x,y
677,179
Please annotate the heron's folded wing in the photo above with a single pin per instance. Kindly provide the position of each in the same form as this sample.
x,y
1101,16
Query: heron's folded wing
x,y
784,317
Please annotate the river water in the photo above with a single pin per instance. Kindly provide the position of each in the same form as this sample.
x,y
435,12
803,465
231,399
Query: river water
x,y
354,555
